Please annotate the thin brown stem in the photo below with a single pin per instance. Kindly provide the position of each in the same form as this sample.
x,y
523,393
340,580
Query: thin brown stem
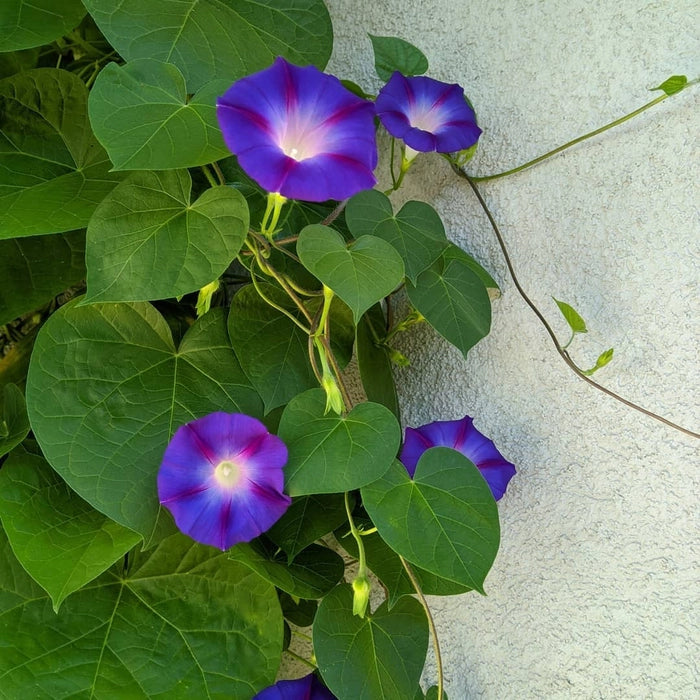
x,y
431,623
562,352
335,213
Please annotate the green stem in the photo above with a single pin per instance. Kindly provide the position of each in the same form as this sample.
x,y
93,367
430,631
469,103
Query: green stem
x,y
279,308
431,624
219,173
303,636
361,558
208,175
569,144
296,656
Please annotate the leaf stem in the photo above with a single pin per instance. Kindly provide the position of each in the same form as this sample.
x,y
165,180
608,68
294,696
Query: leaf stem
x,y
208,175
569,144
361,558
431,624
562,351
296,657
271,303
219,173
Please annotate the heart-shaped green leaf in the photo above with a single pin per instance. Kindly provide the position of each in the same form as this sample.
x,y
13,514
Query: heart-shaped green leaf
x,y
454,301
142,115
306,520
361,274
53,171
330,453
61,541
311,575
14,424
416,232
107,389
378,656
35,269
454,252
147,240
272,350
394,54
443,520
210,39
181,622
27,23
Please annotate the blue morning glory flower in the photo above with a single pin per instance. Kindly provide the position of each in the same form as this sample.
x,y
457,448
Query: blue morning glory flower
x,y
426,114
460,435
222,480
306,688
298,132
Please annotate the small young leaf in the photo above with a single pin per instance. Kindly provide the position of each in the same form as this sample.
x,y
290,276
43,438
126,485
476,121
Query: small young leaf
x,y
361,274
454,301
378,656
14,424
576,323
330,453
416,232
602,360
61,541
394,54
674,84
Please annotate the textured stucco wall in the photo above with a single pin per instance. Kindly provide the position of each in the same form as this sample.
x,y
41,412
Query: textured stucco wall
x,y
595,590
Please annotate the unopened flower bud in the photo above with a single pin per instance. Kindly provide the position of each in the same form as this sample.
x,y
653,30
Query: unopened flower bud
x,y
205,296
334,399
361,589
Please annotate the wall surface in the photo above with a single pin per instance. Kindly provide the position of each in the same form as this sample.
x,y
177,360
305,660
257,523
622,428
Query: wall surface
x,y
595,591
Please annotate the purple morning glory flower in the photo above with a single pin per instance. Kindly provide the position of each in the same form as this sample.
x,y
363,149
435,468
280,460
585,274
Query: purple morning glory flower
x,y
298,132
427,114
221,478
306,688
460,435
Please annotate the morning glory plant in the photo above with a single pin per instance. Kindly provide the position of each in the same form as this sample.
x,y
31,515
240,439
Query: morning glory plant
x,y
202,464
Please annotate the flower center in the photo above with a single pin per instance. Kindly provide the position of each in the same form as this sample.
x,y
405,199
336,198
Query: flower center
x,y
301,137
425,117
227,474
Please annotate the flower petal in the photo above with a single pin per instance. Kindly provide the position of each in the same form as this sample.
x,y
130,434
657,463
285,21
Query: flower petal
x,y
299,132
306,688
460,435
426,114
222,508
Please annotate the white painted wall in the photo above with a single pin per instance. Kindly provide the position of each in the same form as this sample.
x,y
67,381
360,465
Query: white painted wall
x,y
595,590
